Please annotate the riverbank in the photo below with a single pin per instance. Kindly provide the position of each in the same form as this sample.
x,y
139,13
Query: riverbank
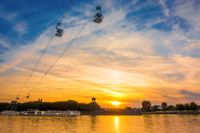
x,y
77,113
138,112
180,112
41,113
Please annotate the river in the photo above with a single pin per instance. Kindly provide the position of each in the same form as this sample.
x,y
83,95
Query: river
x,y
101,124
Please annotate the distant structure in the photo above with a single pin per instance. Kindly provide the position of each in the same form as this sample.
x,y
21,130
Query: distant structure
x,y
93,99
40,100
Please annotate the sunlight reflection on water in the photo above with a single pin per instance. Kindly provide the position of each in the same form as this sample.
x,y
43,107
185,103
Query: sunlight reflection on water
x,y
101,124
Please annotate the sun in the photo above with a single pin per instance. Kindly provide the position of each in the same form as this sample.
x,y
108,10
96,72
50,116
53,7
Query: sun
x,y
115,103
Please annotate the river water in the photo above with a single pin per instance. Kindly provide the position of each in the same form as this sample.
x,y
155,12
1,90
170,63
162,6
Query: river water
x,y
101,124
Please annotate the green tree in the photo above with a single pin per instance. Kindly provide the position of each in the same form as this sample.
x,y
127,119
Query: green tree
x,y
164,106
146,105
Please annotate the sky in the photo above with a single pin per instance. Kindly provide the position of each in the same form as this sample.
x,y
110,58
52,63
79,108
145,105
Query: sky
x,y
142,50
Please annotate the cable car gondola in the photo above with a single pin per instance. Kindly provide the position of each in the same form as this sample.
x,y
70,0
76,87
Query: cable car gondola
x,y
59,30
98,16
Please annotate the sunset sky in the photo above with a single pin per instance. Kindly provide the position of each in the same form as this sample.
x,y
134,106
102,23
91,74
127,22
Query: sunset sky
x,y
142,50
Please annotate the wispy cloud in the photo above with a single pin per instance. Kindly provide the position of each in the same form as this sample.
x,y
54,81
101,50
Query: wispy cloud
x,y
190,95
112,60
188,10
166,11
7,16
21,28
5,43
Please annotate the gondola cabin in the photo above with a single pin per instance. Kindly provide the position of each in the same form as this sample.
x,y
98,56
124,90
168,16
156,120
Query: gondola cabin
x,y
59,30
98,16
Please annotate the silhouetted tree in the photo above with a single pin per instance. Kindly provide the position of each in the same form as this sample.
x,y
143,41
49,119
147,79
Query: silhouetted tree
x,y
193,106
83,107
128,108
187,107
59,106
164,106
93,106
155,108
4,106
32,105
45,106
146,105
13,105
72,105
179,107
171,107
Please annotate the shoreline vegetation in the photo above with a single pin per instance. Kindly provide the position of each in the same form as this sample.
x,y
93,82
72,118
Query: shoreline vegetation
x,y
93,108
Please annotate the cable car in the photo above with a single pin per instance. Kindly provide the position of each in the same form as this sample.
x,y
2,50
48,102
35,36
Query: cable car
x,y
59,30
98,16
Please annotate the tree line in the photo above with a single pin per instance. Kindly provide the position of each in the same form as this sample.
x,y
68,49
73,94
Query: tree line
x,y
148,107
61,105
93,106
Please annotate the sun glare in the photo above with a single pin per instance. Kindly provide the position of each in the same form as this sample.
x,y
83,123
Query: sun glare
x,y
115,103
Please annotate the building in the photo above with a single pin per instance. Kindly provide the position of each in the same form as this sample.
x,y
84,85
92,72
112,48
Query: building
x,y
33,112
